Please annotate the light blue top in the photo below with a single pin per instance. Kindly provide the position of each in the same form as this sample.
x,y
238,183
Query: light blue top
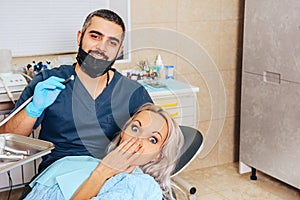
x,y
61,179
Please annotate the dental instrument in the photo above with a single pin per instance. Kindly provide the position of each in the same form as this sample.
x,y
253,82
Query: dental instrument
x,y
15,151
71,78
10,156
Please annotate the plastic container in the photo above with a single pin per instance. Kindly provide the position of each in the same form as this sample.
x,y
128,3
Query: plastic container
x,y
160,68
169,71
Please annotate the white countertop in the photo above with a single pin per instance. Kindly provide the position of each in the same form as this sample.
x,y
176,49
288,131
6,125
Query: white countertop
x,y
171,87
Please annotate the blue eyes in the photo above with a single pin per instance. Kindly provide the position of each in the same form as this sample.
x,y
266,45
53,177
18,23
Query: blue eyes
x,y
135,129
153,140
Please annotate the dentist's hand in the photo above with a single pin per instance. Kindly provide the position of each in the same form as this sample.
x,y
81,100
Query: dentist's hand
x,y
45,93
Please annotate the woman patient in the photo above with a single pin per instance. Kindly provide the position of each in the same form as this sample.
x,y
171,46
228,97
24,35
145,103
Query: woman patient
x,y
138,166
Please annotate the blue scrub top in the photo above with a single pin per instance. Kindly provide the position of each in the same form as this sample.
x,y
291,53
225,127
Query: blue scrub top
x,y
79,125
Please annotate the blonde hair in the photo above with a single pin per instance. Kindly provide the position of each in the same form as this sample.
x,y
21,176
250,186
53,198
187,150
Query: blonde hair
x,y
162,168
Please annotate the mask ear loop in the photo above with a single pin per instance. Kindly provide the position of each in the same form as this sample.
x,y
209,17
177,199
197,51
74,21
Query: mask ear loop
x,y
107,78
107,73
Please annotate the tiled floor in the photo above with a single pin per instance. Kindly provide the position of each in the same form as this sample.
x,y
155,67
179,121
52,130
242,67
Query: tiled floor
x,y
225,183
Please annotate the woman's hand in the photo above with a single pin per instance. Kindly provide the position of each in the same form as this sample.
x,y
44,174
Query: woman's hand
x,y
121,158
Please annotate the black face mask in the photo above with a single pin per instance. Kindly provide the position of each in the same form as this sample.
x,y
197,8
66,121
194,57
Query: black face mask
x,y
94,67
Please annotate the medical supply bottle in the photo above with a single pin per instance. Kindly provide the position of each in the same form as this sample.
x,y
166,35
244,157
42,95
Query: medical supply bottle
x,y
169,71
160,68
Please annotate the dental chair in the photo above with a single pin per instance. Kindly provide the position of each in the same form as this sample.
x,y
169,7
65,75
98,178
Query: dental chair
x,y
193,144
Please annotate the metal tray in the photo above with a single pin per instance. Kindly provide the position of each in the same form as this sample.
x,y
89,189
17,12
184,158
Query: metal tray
x,y
35,148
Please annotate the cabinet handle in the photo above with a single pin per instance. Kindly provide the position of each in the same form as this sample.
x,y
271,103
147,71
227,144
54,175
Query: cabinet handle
x,y
272,77
174,114
169,105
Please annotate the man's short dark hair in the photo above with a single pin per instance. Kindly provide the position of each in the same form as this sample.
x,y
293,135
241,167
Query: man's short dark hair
x,y
105,14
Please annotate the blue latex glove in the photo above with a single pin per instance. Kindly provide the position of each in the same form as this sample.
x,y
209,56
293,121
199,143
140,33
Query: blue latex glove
x,y
45,93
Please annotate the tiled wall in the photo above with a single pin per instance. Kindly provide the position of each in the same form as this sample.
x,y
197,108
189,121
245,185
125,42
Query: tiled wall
x,y
215,28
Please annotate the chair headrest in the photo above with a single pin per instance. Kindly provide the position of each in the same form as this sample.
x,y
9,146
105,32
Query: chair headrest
x,y
193,141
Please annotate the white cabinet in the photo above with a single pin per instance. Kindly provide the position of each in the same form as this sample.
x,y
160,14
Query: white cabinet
x,y
179,99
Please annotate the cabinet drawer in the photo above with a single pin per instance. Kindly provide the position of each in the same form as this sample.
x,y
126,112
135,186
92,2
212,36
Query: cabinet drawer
x,y
175,101
186,121
181,112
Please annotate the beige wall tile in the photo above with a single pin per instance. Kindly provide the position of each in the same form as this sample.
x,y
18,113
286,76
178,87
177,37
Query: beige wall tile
x,y
212,136
231,108
200,59
197,48
204,113
232,80
206,33
210,160
155,38
203,127
228,142
196,55
153,11
184,68
204,98
216,92
230,32
230,77
211,130
214,54
206,37
206,93
230,44
195,10
163,25
232,9
230,57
